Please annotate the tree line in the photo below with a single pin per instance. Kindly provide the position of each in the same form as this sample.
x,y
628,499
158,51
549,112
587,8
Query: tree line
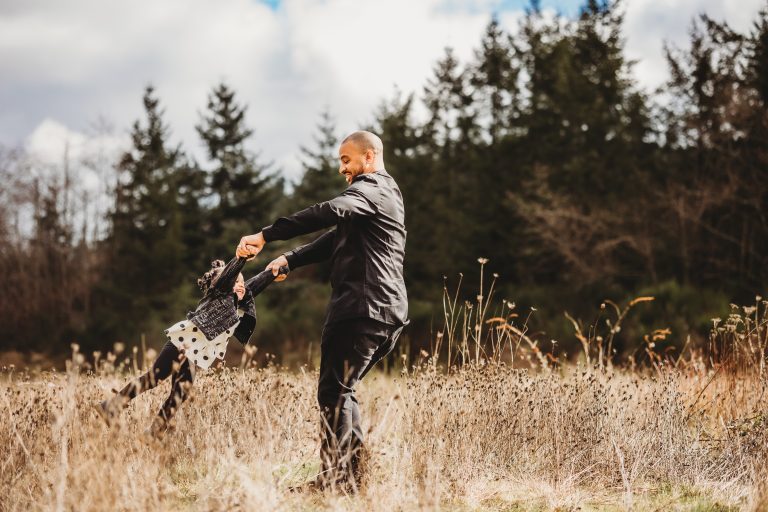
x,y
541,153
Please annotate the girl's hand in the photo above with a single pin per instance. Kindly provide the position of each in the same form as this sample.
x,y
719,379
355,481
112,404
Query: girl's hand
x,y
250,245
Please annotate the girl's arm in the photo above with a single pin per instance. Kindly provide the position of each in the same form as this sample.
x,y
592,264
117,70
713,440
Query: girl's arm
x,y
228,276
257,283
253,286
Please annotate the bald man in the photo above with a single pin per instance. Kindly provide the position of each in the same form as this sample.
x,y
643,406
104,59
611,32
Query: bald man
x,y
368,306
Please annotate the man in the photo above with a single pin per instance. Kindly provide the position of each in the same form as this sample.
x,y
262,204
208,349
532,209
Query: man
x,y
368,307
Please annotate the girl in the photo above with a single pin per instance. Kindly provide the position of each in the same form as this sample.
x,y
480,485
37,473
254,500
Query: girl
x,y
199,340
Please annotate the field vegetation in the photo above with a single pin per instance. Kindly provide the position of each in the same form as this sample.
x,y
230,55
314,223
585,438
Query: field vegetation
x,y
492,418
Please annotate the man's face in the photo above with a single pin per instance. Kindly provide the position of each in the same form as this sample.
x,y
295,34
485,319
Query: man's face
x,y
353,161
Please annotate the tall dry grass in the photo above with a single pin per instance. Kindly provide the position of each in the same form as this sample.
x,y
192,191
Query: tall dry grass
x,y
499,424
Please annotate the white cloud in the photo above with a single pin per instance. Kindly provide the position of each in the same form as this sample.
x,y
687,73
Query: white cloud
x,y
89,158
75,61
54,155
650,23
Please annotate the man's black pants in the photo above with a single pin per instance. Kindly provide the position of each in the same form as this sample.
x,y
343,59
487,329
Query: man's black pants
x,y
349,349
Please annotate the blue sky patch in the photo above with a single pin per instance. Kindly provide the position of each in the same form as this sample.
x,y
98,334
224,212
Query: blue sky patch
x,y
273,4
565,7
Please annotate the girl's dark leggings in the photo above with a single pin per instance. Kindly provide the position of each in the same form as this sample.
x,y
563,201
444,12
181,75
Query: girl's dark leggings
x,y
169,362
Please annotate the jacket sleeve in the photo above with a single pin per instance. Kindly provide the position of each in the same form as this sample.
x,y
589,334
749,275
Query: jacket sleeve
x,y
257,283
247,324
226,280
358,199
318,250
253,287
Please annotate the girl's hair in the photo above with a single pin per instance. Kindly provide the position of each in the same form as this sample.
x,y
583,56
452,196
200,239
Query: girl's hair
x,y
207,279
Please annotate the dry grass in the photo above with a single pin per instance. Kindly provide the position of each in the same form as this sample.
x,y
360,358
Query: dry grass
x,y
670,434
481,438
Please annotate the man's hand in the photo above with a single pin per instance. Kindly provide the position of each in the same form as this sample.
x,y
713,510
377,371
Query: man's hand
x,y
250,245
275,265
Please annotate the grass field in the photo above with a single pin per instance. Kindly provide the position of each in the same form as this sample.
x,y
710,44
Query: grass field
x,y
507,427
481,438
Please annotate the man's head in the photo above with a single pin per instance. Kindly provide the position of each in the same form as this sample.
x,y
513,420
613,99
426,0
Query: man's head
x,y
359,153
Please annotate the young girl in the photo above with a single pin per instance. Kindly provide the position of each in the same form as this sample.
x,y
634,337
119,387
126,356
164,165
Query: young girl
x,y
199,340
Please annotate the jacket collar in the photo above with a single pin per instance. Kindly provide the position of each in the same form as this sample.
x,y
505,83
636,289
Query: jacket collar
x,y
381,172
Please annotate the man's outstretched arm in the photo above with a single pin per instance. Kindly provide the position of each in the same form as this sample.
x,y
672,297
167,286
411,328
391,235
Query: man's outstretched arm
x,y
358,199
316,251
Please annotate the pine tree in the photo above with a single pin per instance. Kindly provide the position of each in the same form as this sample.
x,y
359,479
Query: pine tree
x,y
717,132
758,57
145,248
320,179
452,121
495,77
586,153
243,191
408,158
451,136
756,157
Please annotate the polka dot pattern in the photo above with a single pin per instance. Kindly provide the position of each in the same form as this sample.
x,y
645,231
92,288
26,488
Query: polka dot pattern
x,y
184,334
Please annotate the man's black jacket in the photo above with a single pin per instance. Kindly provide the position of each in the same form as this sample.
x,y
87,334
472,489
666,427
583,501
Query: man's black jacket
x,y
366,248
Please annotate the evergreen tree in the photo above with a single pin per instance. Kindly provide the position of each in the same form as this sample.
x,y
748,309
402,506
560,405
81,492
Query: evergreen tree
x,y
496,169
717,132
758,57
146,251
243,191
585,151
452,121
755,157
320,179
451,136
407,155
495,76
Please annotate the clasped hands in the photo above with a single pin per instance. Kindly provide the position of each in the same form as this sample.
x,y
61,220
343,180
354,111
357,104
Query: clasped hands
x,y
251,245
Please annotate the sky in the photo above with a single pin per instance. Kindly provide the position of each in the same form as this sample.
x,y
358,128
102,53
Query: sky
x,y
73,72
